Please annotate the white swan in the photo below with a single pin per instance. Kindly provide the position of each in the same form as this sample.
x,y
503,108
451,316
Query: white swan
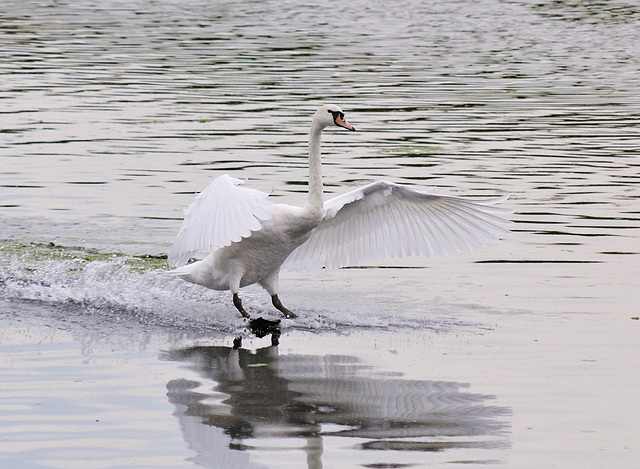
x,y
252,238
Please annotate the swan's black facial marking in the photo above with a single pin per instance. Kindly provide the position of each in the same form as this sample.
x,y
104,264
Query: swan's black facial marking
x,y
336,114
339,120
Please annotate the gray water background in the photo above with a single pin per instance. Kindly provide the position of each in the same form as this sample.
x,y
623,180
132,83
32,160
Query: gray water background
x,y
113,114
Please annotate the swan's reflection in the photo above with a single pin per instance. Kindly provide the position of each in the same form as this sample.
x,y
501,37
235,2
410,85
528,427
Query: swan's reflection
x,y
254,400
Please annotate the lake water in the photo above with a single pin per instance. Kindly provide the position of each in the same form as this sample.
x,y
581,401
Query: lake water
x,y
524,354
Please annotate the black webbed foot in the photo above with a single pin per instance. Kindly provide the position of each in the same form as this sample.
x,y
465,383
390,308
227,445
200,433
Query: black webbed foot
x,y
262,327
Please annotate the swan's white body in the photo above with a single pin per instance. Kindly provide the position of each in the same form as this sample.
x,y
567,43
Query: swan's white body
x,y
256,258
252,238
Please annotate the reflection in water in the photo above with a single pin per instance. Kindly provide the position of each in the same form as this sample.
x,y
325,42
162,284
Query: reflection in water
x,y
252,400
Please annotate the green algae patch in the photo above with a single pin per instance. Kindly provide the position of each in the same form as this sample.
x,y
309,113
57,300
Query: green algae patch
x,y
34,252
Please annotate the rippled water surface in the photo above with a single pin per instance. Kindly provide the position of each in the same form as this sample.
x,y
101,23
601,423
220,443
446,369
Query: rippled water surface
x,y
113,114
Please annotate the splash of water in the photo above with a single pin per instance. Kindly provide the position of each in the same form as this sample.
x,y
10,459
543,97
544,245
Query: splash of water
x,y
128,288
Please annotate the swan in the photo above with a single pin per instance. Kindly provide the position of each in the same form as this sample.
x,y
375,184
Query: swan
x,y
252,238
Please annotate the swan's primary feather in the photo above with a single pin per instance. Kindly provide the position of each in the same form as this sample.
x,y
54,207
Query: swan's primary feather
x,y
386,220
223,213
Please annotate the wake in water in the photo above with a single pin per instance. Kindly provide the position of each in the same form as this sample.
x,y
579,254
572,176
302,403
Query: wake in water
x,y
125,288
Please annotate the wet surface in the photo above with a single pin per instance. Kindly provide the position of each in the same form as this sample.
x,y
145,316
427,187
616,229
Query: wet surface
x,y
113,114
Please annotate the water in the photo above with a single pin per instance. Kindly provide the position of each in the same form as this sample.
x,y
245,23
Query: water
x,y
113,114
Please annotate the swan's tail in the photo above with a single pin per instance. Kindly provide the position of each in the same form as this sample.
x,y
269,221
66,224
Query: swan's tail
x,y
185,271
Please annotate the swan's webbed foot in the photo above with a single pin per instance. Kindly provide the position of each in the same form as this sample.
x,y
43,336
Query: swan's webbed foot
x,y
262,327
237,302
287,314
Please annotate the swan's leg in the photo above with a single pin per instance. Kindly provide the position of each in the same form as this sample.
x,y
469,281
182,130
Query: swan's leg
x,y
237,302
234,286
270,283
276,302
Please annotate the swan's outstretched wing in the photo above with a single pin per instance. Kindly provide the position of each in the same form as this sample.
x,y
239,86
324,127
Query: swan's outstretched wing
x,y
385,220
221,214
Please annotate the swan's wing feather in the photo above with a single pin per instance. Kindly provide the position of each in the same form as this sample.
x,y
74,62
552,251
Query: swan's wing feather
x,y
386,220
221,214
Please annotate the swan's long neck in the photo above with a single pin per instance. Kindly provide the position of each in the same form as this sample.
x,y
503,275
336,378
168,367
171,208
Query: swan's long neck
x,y
315,202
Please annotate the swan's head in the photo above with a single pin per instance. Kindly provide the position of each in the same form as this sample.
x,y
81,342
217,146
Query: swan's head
x,y
330,114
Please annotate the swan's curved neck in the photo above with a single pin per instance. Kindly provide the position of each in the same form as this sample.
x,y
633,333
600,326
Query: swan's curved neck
x,y
315,168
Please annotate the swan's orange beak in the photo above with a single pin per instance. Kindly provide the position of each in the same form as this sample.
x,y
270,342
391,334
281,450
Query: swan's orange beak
x,y
339,120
